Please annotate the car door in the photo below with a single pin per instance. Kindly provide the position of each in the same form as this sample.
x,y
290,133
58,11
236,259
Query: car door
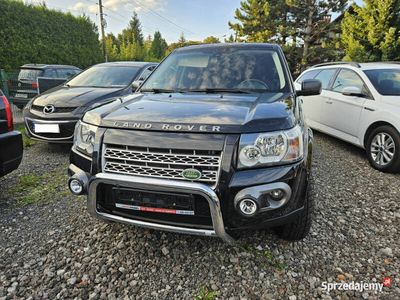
x,y
313,105
342,112
309,103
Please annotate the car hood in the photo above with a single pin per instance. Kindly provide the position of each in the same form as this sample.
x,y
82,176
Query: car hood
x,y
64,96
197,113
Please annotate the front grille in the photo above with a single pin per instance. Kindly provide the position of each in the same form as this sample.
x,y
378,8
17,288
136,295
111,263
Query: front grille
x,y
161,163
57,109
66,130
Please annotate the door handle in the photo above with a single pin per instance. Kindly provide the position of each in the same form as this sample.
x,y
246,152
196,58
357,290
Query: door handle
x,y
329,102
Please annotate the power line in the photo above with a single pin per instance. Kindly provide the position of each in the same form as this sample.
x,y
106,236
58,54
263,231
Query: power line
x,y
162,17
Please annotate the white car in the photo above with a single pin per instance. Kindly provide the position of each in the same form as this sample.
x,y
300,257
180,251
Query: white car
x,y
360,104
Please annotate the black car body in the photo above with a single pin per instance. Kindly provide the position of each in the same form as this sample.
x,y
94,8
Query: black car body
x,y
52,116
25,86
11,147
189,152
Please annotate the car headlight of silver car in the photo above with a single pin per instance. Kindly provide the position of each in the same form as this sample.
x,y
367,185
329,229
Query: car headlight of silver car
x,y
270,148
84,137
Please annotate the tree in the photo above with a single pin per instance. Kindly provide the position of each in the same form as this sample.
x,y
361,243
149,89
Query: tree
x,y
315,17
372,32
133,33
211,40
261,21
230,39
294,24
158,46
113,47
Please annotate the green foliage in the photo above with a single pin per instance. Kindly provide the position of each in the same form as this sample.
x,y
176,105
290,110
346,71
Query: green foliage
x,y
33,188
230,39
302,27
205,294
26,141
131,46
372,32
36,34
158,46
211,40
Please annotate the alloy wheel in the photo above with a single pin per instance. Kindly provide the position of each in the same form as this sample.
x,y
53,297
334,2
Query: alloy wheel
x,y
383,149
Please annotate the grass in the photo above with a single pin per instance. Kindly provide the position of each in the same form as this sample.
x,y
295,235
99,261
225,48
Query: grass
x,y
32,188
266,257
205,294
25,139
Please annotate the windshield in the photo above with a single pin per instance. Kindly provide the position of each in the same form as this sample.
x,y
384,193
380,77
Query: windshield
x,y
220,69
105,76
386,81
29,74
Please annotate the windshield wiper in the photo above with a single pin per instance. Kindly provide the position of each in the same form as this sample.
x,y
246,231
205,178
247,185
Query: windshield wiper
x,y
159,91
219,90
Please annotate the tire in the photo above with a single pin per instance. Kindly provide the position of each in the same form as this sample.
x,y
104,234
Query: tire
x,y
378,156
300,227
20,106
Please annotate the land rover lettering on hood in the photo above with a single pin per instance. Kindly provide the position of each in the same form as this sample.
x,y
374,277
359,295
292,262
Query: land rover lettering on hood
x,y
214,142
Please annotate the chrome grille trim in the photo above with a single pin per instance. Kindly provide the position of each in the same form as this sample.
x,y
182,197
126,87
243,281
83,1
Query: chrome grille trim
x,y
161,163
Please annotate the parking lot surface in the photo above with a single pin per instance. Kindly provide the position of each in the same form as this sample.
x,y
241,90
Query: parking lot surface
x,y
50,248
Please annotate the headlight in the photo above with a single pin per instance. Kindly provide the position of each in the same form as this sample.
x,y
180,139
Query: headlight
x,y
84,137
261,149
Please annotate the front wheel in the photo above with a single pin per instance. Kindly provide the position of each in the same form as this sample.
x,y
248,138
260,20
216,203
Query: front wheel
x,y
383,149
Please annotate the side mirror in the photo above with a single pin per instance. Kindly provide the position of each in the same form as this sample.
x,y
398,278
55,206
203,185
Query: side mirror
x,y
310,87
136,84
353,91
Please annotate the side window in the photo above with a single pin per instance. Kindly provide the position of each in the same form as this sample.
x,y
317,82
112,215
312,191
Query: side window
x,y
347,78
307,75
51,73
146,73
65,73
325,77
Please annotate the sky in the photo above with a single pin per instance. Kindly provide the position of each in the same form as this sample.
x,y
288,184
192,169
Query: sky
x,y
196,19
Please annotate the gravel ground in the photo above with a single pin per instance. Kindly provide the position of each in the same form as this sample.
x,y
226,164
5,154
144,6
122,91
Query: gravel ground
x,y
54,250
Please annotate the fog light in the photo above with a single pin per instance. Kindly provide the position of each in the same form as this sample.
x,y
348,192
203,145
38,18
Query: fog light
x,y
76,186
248,207
277,194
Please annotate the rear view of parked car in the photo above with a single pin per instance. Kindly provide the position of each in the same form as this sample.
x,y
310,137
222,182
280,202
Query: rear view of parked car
x,y
10,140
52,115
25,86
359,104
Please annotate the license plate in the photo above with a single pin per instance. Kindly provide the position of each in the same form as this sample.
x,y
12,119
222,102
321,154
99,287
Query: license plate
x,y
156,209
21,95
46,128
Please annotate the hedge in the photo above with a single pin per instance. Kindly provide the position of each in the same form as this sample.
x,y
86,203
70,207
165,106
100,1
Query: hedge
x,y
36,34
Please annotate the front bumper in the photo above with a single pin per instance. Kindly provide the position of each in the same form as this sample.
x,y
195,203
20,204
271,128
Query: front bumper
x,y
225,218
65,135
11,151
154,184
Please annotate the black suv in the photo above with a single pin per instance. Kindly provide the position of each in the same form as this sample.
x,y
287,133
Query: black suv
x,y
10,140
25,86
51,116
214,142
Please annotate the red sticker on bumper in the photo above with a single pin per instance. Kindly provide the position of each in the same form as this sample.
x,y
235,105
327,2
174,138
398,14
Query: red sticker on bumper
x,y
155,209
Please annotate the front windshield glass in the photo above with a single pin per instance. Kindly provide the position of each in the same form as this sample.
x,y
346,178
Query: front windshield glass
x,y
105,76
386,81
224,69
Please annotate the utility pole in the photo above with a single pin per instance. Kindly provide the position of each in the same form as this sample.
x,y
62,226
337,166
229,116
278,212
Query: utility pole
x,y
102,25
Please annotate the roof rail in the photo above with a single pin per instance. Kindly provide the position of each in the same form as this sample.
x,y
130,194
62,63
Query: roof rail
x,y
352,63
